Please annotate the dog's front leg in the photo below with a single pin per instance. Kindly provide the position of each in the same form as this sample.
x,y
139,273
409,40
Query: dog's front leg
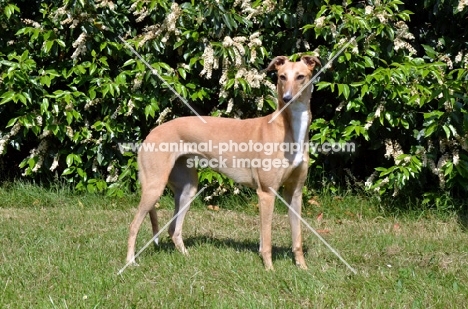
x,y
266,206
293,196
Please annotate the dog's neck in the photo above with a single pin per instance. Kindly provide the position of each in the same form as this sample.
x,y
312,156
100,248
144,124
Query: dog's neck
x,y
300,121
297,115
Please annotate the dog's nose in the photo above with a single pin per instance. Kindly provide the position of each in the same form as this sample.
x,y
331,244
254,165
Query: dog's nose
x,y
287,97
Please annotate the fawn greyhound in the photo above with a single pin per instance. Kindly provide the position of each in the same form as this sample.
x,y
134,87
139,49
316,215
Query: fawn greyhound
x,y
289,165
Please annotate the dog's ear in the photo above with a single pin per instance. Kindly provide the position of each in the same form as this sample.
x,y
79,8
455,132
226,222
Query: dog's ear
x,y
311,61
276,63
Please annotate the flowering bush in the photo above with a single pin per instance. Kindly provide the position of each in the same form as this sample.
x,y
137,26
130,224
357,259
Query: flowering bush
x,y
70,90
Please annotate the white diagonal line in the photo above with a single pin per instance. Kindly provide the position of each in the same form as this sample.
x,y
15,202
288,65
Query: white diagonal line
x,y
154,72
313,79
160,231
314,231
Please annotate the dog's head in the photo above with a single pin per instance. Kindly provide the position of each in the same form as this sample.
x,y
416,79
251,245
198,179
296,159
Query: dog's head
x,y
292,76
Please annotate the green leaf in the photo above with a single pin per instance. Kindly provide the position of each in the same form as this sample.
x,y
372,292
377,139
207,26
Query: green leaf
x,y
69,160
10,10
346,91
429,51
48,46
364,90
179,43
128,62
343,89
447,131
182,73
368,62
7,97
45,80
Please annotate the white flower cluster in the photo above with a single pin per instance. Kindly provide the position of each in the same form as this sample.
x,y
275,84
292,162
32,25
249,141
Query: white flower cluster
x,y
210,63
462,59
266,6
447,60
259,102
393,149
171,19
304,42
54,164
35,24
237,44
40,152
383,17
141,13
168,26
462,141
162,117
340,106
449,149
252,76
61,11
39,120
370,181
368,10
384,181
6,138
403,34
104,4
376,115
319,22
72,20
91,103
436,170
448,106
461,5
116,112
69,131
137,81
220,190
355,49
230,106
130,107
253,44
45,133
224,75
80,45
113,173
238,48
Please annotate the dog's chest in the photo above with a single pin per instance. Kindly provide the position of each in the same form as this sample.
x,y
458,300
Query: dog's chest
x,y
300,127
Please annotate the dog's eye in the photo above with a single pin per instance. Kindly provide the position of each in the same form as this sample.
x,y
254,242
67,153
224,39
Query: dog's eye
x,y
300,77
282,77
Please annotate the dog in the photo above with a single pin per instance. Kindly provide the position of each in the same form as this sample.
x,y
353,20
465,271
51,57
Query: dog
x,y
177,168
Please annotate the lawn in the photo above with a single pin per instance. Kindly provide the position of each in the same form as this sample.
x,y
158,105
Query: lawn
x,y
62,250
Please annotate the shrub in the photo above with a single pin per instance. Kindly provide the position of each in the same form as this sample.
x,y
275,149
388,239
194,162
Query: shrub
x,y
71,90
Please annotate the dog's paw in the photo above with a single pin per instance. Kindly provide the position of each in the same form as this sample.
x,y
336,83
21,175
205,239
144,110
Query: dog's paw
x,y
301,266
132,262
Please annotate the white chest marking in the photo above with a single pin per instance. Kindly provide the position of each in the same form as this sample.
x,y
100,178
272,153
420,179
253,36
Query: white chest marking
x,y
300,116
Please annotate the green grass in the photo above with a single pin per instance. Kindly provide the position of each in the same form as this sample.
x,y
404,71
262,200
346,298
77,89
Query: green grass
x,y
62,250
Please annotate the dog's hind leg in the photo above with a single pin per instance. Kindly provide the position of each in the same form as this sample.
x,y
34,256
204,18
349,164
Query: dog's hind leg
x,y
153,178
183,181
149,198
154,224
